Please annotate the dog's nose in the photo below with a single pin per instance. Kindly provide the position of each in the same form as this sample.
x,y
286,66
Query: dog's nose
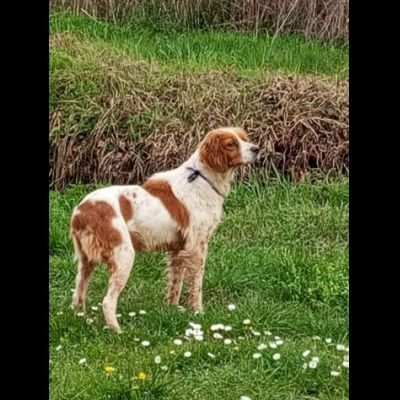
x,y
255,149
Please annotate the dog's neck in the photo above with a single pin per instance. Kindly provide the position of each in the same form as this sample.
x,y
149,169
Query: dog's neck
x,y
222,181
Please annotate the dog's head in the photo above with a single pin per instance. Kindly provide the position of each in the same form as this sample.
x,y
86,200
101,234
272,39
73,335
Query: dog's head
x,y
227,148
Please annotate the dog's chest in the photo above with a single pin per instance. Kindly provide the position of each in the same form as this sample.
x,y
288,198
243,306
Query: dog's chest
x,y
206,215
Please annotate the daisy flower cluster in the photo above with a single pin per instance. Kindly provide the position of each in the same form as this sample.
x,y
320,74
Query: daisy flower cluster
x,y
195,332
266,345
218,331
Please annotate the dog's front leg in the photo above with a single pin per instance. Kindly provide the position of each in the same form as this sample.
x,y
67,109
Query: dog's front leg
x,y
194,273
176,271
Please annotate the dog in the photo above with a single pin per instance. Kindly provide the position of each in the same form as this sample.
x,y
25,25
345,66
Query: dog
x,y
175,211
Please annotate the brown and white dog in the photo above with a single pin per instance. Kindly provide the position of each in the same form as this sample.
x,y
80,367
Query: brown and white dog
x,y
175,211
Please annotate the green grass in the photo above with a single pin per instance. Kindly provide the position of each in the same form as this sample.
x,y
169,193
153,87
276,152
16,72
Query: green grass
x,y
246,53
280,256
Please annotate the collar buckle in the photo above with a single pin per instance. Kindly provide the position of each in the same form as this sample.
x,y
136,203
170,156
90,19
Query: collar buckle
x,y
195,173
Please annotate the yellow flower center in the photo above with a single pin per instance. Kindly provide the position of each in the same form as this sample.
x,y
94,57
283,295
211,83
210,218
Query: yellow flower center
x,y
142,376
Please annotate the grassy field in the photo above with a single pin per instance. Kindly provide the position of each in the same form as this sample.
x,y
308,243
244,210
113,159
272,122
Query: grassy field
x,y
193,50
280,256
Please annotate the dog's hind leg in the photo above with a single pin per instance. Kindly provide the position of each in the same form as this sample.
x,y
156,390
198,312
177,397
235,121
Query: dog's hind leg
x,y
120,266
85,269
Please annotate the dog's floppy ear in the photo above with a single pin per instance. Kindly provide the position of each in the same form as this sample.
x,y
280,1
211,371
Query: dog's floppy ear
x,y
212,152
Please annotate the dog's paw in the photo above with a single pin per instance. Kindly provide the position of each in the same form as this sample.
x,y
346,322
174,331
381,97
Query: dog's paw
x,y
115,328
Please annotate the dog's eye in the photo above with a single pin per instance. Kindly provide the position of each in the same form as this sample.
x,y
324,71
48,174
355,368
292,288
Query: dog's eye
x,y
230,145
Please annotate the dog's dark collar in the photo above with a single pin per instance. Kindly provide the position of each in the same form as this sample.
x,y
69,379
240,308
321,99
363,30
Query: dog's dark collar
x,y
195,173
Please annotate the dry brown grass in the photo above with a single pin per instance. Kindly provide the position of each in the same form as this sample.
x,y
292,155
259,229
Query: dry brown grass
x,y
117,120
318,19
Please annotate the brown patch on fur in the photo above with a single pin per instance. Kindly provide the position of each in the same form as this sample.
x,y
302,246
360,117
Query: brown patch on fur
x,y
163,191
220,150
137,242
126,207
92,229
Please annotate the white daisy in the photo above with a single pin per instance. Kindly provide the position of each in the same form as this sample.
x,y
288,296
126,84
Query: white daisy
x,y
279,342
255,333
227,328
262,346
172,352
315,359
217,327
211,355
236,348
305,366
335,373
157,359
273,345
195,326
313,364
82,361
340,347
136,339
246,322
145,343
306,353
94,308
240,337
316,338
245,398
59,347
267,333
118,315
328,340
217,336
164,368
231,307
178,342
257,355
276,356
276,337
89,321
227,341
199,338
60,313
187,354
80,314
132,314
345,364
142,312
189,332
